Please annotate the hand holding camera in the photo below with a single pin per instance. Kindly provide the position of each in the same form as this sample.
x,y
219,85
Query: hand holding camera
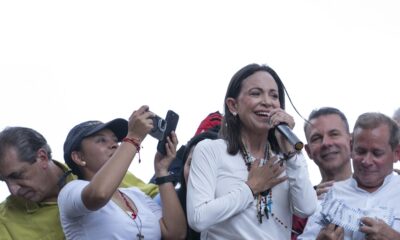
x,y
139,125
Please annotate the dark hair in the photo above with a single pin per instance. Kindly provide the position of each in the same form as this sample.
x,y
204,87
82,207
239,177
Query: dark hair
x,y
25,141
372,120
231,125
323,112
75,169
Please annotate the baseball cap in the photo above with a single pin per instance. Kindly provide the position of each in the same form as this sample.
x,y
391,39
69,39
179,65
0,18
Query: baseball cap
x,y
83,130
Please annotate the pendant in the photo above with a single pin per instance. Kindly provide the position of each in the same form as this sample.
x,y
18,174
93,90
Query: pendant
x,y
268,205
259,216
140,236
266,212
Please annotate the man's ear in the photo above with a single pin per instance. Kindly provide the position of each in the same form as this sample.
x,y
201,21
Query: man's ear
x,y
78,158
42,157
351,147
397,153
232,106
307,148
351,144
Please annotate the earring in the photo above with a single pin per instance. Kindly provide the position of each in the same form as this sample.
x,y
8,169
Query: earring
x,y
234,114
83,164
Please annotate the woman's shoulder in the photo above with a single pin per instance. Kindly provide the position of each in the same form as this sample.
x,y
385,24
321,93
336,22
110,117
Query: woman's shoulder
x,y
77,182
70,192
215,146
212,143
214,149
73,185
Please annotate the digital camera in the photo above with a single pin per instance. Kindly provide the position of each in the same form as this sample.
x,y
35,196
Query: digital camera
x,y
159,127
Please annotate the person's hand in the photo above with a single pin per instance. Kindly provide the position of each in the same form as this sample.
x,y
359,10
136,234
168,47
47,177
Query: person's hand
x,y
162,162
331,232
140,123
276,117
265,177
323,188
377,229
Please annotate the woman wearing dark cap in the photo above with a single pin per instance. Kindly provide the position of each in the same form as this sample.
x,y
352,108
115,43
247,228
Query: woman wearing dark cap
x,y
248,184
93,207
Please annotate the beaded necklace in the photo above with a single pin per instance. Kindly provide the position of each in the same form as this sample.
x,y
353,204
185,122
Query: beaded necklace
x,y
264,199
133,214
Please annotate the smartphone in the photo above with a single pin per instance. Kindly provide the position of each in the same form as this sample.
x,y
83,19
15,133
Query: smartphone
x,y
171,120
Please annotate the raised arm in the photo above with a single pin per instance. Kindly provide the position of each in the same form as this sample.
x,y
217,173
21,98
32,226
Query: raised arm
x,y
106,181
173,222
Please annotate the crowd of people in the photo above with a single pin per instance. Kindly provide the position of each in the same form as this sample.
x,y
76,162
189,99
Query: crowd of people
x,y
239,177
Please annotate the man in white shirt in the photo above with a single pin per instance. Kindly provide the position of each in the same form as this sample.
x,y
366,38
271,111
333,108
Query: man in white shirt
x,y
366,205
328,146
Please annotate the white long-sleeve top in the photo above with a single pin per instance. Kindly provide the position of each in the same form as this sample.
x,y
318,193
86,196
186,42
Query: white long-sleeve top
x,y
220,204
387,197
110,221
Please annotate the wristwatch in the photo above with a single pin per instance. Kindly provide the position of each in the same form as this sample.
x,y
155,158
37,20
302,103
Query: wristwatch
x,y
165,179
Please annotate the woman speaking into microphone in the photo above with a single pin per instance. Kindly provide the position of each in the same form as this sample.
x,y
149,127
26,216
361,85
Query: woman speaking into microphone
x,y
249,183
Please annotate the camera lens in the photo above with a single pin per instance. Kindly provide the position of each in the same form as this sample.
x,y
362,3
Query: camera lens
x,y
159,126
162,125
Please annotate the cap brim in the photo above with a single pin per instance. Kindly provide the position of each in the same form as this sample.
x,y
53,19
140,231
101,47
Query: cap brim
x,y
119,127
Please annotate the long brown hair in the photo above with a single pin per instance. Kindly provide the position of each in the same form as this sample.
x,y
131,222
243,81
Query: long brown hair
x,y
231,125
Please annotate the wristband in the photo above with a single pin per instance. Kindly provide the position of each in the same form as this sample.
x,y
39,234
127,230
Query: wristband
x,y
165,179
135,142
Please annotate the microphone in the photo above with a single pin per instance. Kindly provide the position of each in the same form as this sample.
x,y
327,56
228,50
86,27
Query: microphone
x,y
290,136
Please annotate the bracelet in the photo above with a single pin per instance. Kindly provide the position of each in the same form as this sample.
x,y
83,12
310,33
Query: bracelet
x,y
165,179
135,142
252,193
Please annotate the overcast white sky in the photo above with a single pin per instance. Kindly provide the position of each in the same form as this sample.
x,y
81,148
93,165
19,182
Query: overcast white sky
x,y
64,62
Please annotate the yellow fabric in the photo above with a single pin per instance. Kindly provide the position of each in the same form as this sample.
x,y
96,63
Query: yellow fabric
x,y
23,220
148,188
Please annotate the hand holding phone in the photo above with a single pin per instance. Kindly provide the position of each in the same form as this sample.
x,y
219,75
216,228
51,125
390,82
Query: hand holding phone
x,y
171,120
